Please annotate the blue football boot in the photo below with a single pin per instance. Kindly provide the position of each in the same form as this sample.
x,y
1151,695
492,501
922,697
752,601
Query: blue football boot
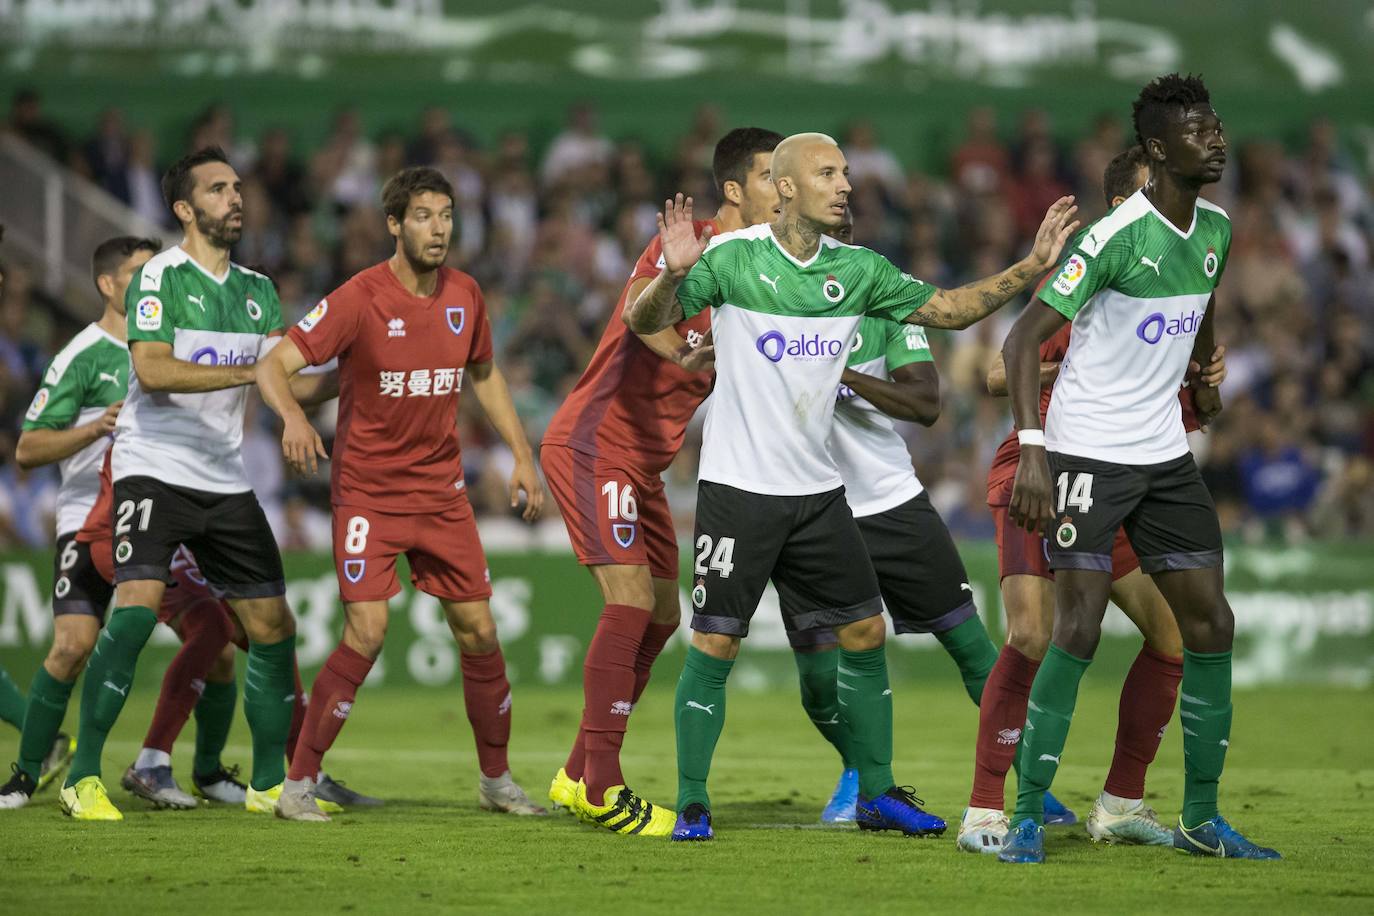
x,y
844,801
694,823
1056,813
1217,838
1025,845
898,809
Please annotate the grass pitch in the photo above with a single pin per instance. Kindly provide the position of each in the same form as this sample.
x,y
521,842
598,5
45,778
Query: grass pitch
x,y
1299,777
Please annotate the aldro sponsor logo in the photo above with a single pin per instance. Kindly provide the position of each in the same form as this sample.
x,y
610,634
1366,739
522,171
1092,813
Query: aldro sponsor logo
x,y
775,345
1158,326
209,356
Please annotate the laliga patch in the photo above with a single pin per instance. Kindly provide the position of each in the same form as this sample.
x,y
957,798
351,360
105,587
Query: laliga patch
x,y
624,535
254,310
40,400
148,314
1210,263
457,318
1072,274
353,570
314,316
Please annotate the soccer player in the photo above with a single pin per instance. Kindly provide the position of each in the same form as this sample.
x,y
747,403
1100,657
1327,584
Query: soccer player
x,y
788,302
602,455
890,373
1147,699
1139,287
197,322
407,332
69,423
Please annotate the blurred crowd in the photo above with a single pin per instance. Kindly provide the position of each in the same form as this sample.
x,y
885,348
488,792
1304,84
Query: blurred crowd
x,y
551,234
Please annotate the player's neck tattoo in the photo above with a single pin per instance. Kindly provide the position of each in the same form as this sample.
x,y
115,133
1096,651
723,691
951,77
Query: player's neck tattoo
x,y
798,237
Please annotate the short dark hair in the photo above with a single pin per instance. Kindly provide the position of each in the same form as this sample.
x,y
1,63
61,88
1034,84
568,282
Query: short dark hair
x,y
177,183
1150,112
404,184
1119,178
110,253
735,154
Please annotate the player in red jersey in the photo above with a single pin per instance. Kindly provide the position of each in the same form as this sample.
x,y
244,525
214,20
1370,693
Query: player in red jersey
x,y
1147,699
602,455
406,333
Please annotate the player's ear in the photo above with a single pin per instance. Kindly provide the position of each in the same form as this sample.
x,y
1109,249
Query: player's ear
x,y
393,225
183,211
1154,148
106,284
733,192
786,189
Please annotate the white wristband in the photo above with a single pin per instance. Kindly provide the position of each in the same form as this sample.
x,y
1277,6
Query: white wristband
x,y
1031,437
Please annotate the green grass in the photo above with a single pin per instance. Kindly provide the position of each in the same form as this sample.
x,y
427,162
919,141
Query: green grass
x,y
1299,777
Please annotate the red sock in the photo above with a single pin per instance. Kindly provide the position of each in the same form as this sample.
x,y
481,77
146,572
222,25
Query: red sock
x,y
655,638
609,677
1001,717
577,757
331,701
486,694
1147,704
205,630
297,717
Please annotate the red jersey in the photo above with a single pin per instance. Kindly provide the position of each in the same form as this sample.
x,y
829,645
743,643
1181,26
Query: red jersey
x,y
401,362
97,526
630,402
1002,474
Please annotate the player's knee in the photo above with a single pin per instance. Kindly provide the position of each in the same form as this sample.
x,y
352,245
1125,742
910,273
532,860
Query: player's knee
x,y
716,645
1032,642
631,586
365,635
480,638
1077,633
67,657
222,671
862,635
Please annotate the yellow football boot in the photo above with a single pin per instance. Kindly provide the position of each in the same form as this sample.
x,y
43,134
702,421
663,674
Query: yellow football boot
x,y
563,792
88,801
628,815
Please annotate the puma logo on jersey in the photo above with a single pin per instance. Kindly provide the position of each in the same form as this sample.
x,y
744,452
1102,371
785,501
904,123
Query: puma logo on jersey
x,y
112,379
773,282
709,710
1148,263
964,586
198,300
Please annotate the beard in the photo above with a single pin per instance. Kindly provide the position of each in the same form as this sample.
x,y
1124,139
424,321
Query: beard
x,y
217,230
418,255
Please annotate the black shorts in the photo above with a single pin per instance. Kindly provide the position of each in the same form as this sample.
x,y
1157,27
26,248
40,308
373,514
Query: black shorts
x,y
921,575
808,545
77,586
227,532
1165,508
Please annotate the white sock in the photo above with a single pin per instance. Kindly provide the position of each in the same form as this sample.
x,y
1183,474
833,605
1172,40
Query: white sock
x,y
295,785
1115,804
151,757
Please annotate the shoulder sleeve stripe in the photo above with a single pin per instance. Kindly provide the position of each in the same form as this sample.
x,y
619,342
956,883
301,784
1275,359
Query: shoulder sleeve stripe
x,y
1101,232
1208,205
88,335
751,232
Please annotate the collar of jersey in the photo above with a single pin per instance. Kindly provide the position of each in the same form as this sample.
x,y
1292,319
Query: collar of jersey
x,y
1165,220
108,336
787,254
219,281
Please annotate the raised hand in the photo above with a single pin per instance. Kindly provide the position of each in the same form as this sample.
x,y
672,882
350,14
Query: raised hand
x,y
681,246
1054,231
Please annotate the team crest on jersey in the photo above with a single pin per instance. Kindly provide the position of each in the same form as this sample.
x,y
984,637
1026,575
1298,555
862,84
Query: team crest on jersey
x,y
254,310
353,570
62,588
123,552
858,343
1210,263
148,313
457,318
699,594
1066,534
832,290
624,535
1072,274
314,316
40,400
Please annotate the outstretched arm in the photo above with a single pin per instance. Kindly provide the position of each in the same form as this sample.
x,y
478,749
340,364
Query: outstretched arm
x,y
37,447
300,443
1032,498
657,307
159,370
913,394
959,308
490,387
997,376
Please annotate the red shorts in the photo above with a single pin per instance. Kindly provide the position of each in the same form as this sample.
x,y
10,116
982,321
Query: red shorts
x,y
442,548
617,514
187,589
1024,553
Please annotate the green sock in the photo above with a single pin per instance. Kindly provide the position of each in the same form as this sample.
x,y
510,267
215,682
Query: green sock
x,y
269,696
1204,709
11,701
866,709
47,708
973,651
109,677
699,717
1052,698
821,698
214,716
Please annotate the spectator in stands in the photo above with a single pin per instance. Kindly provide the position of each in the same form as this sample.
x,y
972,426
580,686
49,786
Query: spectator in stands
x,y
33,127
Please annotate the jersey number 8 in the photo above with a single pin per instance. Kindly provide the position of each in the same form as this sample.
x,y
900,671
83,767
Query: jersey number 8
x,y
356,540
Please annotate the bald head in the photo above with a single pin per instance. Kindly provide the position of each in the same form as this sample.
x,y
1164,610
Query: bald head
x,y
813,179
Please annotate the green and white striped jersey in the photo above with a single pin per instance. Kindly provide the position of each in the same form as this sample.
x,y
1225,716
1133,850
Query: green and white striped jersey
x,y
86,376
1136,288
193,440
782,330
871,454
